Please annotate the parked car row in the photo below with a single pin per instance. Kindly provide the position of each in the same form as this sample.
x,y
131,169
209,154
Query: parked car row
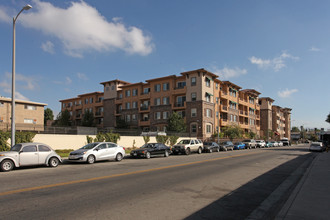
x,y
31,154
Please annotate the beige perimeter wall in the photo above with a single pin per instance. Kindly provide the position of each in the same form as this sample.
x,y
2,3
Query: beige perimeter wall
x,y
76,141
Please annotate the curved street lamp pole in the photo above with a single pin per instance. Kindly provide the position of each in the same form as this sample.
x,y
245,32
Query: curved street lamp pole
x,y
26,7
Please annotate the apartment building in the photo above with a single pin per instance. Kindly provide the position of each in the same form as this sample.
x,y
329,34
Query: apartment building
x,y
275,118
206,103
91,102
29,116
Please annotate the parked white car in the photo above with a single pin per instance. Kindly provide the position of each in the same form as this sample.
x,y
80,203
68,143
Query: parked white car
x,y
28,154
261,143
98,151
317,146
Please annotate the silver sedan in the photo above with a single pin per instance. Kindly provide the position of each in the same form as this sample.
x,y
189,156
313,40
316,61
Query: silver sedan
x,y
98,151
28,154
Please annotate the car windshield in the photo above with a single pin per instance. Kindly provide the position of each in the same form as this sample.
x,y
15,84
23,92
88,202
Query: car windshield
x,y
315,145
247,141
237,143
16,147
184,142
148,146
207,143
89,146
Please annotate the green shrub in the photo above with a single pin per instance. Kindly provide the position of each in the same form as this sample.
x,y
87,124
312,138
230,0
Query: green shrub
x,y
4,136
162,139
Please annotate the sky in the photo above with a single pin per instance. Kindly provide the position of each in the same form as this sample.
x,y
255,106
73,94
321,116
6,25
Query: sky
x,y
65,48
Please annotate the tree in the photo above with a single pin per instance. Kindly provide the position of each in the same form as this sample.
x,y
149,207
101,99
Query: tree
x,y
63,118
233,131
176,123
328,118
88,119
161,139
295,129
48,115
173,139
146,139
251,135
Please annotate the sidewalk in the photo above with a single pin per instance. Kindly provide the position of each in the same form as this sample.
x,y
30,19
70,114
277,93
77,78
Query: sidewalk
x,y
311,197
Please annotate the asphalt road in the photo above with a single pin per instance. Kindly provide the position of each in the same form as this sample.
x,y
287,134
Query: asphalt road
x,y
224,185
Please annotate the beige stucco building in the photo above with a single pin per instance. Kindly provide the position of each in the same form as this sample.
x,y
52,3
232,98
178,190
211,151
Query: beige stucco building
x,y
29,116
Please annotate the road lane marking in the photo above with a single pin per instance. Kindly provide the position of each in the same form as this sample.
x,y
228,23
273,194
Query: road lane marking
x,y
118,175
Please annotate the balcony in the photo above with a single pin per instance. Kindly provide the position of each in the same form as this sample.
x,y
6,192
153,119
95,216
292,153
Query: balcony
x,y
224,108
144,108
98,114
144,122
144,96
179,90
179,105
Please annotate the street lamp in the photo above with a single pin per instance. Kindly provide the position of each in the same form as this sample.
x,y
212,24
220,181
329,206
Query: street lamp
x,y
26,7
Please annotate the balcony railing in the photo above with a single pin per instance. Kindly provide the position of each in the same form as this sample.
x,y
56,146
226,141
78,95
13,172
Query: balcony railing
x,y
144,108
179,104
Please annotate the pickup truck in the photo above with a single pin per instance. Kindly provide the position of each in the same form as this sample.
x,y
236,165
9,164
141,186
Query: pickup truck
x,y
186,146
250,143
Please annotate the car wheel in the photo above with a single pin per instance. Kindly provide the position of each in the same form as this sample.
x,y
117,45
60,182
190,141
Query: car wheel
x,y
210,151
199,150
166,154
53,162
187,151
225,149
7,165
232,149
217,149
90,159
119,157
148,155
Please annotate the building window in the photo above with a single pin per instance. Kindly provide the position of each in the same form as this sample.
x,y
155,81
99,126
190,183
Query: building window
x,y
208,128
29,121
207,82
217,114
157,115
166,100
90,100
2,104
86,101
157,101
128,118
166,86
107,88
232,105
165,115
251,100
134,117
157,88
217,100
128,105
193,128
127,93
146,90
134,105
207,97
208,113
194,112
193,81
30,107
232,92
216,85
181,85
193,96
134,92
120,95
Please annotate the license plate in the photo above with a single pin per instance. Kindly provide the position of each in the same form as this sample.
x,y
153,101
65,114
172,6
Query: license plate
x,y
135,154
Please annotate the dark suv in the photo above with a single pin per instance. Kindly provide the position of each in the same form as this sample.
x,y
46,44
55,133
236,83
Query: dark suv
x,y
226,145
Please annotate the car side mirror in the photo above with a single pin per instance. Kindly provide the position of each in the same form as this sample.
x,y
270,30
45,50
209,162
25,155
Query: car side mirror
x,y
97,149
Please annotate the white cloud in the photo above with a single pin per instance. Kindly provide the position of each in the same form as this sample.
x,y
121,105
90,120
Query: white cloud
x,y
66,81
6,87
48,47
81,28
286,93
4,17
276,63
314,49
82,76
227,73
